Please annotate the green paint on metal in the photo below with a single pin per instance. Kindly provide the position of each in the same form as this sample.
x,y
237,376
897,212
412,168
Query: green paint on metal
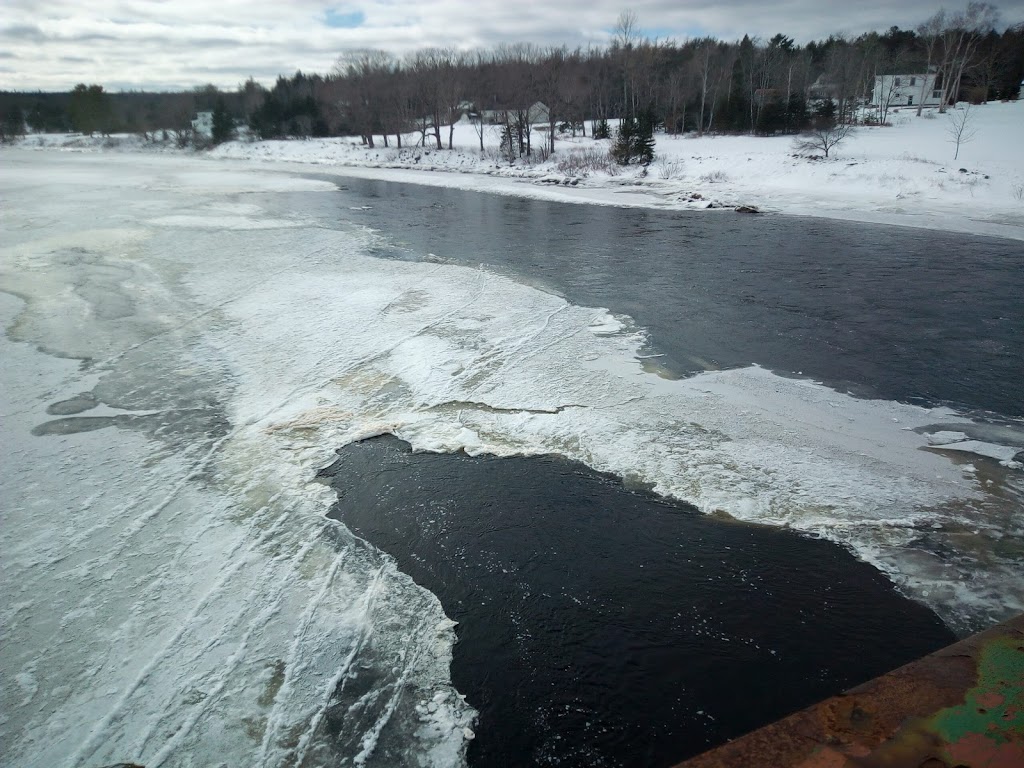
x,y
994,708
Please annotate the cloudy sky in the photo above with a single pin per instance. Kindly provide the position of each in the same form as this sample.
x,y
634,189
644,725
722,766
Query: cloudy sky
x,y
53,44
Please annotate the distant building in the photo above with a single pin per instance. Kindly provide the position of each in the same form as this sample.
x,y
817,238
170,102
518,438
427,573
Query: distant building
x,y
908,90
536,113
203,124
822,89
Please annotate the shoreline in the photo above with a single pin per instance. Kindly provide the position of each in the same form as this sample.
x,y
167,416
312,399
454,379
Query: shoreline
x,y
894,176
944,221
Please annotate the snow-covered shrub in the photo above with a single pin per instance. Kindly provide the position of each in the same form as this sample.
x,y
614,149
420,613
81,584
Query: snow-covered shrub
x,y
582,162
669,169
494,155
714,177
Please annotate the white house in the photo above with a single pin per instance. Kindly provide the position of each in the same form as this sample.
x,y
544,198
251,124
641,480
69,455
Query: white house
x,y
907,90
203,124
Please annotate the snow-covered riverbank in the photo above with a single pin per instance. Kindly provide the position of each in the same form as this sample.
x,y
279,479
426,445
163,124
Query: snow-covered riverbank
x,y
903,174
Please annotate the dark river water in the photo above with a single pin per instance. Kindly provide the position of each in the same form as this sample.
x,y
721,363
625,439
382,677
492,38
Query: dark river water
x,y
604,627
601,626
879,311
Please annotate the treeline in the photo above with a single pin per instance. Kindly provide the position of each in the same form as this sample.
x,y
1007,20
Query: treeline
x,y
90,109
702,85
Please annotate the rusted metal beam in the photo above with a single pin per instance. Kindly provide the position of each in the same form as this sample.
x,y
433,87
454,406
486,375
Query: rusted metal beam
x,y
962,707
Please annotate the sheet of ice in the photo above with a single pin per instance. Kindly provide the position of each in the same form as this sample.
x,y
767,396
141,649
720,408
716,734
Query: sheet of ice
x,y
175,590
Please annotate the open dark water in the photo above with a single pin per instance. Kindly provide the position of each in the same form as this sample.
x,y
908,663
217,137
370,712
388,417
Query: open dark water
x,y
601,626
604,627
887,312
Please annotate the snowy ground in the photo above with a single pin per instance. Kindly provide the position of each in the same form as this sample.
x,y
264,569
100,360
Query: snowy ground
x,y
903,174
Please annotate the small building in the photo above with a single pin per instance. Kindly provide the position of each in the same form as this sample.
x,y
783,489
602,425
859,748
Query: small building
x,y
203,124
907,90
536,113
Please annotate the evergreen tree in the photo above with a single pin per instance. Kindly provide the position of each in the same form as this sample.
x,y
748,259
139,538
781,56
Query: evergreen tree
x,y
508,142
601,129
12,125
635,140
223,127
643,139
90,109
622,149
47,117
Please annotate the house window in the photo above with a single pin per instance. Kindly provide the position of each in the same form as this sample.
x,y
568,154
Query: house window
x,y
936,94
897,82
910,101
913,81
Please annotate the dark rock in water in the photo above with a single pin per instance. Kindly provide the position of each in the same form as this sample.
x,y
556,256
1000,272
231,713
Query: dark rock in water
x,y
747,209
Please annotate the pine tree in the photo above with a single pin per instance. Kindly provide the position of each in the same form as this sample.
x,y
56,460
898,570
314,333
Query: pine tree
x,y
90,109
643,139
223,127
602,129
635,140
622,149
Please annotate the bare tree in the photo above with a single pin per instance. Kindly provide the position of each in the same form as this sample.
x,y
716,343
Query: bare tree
x,y
363,72
845,71
929,33
480,83
960,44
960,128
951,41
625,41
704,68
824,137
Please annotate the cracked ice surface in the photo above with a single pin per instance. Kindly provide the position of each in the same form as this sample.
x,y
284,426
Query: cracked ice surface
x,y
174,594
174,590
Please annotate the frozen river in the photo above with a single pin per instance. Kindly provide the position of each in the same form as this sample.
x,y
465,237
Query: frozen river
x,y
188,342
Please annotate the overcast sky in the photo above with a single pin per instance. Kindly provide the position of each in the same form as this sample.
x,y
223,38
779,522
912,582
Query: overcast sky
x,y
54,44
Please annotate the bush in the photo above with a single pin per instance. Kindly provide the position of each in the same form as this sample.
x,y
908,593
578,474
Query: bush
x,y
582,162
669,169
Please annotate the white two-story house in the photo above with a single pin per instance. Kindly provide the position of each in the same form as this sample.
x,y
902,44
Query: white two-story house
x,y
908,90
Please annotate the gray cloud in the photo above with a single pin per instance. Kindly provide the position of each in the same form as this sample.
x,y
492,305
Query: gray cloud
x,y
18,32
188,42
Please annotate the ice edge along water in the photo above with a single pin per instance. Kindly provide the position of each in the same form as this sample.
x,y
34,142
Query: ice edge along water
x,y
239,355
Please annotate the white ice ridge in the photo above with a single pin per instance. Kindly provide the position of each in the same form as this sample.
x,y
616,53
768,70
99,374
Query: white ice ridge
x,y
173,588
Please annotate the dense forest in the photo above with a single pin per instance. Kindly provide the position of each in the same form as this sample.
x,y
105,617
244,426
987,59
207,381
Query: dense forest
x,y
701,85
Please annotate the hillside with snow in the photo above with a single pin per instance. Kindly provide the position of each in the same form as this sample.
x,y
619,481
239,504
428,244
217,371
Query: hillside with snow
x,y
903,173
